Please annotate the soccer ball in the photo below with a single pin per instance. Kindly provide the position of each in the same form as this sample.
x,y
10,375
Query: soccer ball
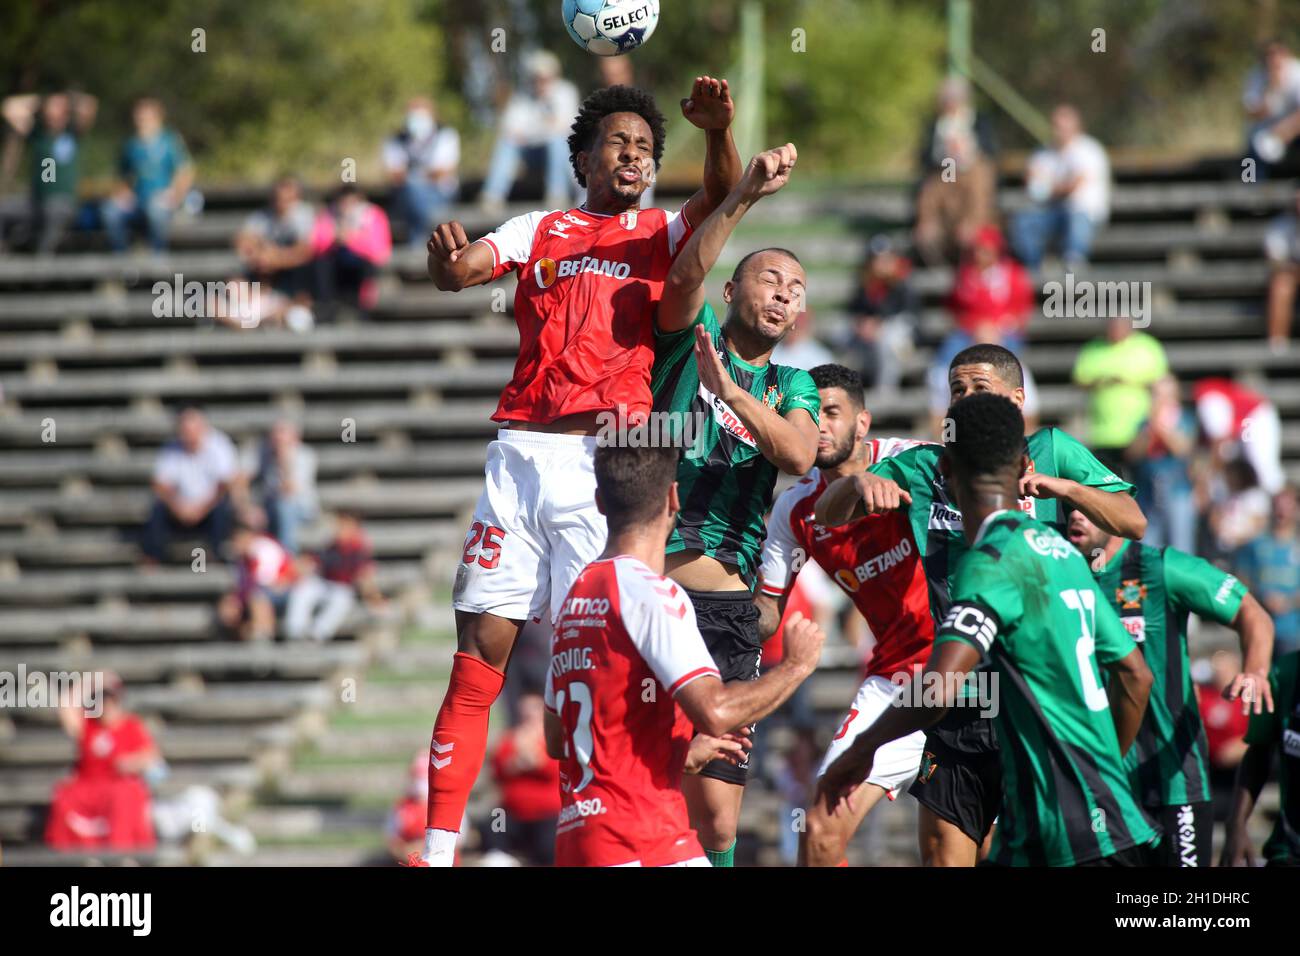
x,y
610,27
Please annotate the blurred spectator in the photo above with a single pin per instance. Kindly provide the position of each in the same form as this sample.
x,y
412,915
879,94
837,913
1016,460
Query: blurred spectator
x,y
105,803
283,482
53,128
1272,104
422,159
1118,372
1069,193
800,347
263,580
320,602
535,128
156,176
959,186
405,827
1237,507
884,311
194,477
991,296
1160,460
1270,566
529,784
356,246
1238,421
1282,248
278,247
795,783
197,809
1225,725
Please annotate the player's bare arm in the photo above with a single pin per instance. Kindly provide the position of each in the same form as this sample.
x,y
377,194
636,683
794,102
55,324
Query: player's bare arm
x,y
684,288
770,612
853,496
454,262
1252,774
1255,631
553,730
1115,512
1129,688
789,441
711,108
717,708
947,668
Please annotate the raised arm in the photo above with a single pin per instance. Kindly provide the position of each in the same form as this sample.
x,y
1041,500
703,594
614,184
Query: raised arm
x,y
454,262
1255,630
684,288
711,108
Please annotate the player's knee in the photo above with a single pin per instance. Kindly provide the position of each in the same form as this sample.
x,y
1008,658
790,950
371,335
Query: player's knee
x,y
824,839
717,830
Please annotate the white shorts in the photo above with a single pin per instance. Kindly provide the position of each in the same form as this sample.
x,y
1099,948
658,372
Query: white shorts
x,y
535,526
899,761
693,861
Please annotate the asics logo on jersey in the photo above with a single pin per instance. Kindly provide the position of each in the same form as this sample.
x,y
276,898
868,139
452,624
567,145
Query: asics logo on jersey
x,y
874,565
546,271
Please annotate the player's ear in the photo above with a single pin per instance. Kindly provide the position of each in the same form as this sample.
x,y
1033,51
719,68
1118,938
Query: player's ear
x,y
864,425
600,502
1018,397
728,289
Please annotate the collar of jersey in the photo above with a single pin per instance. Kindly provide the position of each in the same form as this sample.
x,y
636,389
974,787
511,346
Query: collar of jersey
x,y
984,525
602,215
738,360
1119,555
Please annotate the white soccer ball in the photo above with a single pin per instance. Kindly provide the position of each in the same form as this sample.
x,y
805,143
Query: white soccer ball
x,y
610,27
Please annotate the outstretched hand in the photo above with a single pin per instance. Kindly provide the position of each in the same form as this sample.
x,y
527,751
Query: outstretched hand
x,y
769,171
710,105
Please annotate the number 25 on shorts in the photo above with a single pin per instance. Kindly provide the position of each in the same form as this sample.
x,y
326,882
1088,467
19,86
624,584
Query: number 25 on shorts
x,y
490,537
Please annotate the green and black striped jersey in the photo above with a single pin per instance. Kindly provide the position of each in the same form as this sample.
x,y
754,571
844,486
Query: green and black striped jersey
x,y
724,482
1026,598
1281,729
1153,590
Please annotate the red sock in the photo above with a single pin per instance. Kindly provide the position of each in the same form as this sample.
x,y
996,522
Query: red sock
x,y
460,739
843,862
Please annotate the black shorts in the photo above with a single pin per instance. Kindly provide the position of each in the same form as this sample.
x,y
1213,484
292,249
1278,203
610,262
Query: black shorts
x,y
1189,831
728,622
961,773
1135,856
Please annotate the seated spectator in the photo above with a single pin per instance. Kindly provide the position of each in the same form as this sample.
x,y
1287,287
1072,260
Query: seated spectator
x,y
1225,725
884,311
105,803
529,785
278,248
320,602
1238,508
796,781
800,347
53,128
959,186
535,128
991,297
1160,460
1282,248
156,176
283,482
357,243
194,478
1272,104
1118,372
264,576
1269,565
1069,193
196,809
406,821
421,160
1236,420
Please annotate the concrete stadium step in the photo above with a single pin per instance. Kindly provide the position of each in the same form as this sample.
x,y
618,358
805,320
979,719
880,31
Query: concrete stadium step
x,y
320,421
154,622
37,748
215,384
28,856
291,857
32,787
215,660
43,586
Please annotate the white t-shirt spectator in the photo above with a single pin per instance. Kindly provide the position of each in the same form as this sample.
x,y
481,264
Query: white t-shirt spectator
x,y
806,354
197,476
531,121
1282,241
416,157
1277,102
1083,156
293,228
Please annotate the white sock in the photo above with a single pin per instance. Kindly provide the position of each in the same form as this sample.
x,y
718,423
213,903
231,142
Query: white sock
x,y
440,847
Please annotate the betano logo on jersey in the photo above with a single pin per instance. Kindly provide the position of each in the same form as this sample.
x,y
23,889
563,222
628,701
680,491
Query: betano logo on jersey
x,y
874,566
547,270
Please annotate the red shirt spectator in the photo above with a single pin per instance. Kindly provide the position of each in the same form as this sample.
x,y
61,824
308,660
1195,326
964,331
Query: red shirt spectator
x,y
1225,725
991,288
528,778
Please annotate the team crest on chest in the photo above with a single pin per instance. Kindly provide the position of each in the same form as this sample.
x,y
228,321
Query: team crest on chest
x,y
772,397
628,219
1131,593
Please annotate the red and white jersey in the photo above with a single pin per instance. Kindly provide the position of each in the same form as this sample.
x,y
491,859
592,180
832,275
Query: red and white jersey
x,y
588,288
874,560
1222,406
625,643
